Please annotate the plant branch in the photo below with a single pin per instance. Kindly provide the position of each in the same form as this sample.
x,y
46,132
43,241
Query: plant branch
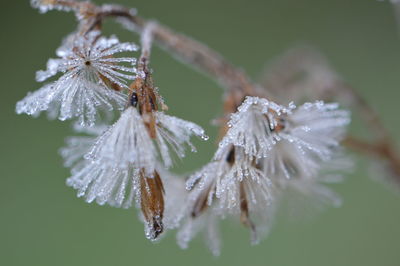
x,y
383,150
184,48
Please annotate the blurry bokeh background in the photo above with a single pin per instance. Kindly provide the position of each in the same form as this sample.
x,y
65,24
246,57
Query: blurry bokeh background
x,y
43,223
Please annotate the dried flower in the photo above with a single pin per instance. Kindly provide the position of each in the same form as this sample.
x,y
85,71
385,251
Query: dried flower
x,y
254,127
77,146
288,140
36,102
91,80
229,187
122,165
267,149
119,187
125,144
128,142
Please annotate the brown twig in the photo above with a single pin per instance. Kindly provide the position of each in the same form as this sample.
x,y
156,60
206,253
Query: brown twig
x,y
381,145
382,150
184,48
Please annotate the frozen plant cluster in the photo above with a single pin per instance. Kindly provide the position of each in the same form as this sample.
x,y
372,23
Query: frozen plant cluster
x,y
125,163
266,150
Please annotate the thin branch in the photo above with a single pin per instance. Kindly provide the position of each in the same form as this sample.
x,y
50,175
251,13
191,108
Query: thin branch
x,y
184,48
383,150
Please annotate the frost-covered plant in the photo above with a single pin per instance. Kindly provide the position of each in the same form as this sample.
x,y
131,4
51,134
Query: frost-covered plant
x,y
266,147
92,79
267,150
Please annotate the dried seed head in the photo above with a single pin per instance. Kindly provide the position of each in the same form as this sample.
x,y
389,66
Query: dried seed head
x,y
91,76
152,204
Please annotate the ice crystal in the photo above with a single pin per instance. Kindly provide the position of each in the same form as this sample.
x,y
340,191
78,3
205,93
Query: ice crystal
x,y
77,146
268,149
128,143
105,185
225,185
119,187
225,179
114,186
89,71
290,141
125,144
311,137
219,191
253,126
174,133
36,102
121,167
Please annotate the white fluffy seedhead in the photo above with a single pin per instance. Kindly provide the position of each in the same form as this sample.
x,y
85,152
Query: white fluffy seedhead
x,y
125,144
105,185
89,71
36,102
253,127
310,139
289,141
128,142
268,149
224,186
77,146
174,134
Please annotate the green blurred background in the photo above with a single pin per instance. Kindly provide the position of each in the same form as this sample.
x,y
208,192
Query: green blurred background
x,y
43,223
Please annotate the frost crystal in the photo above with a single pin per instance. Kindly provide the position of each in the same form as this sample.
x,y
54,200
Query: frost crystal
x,y
122,167
232,186
267,150
114,186
174,133
91,75
226,177
36,102
253,127
125,144
311,137
128,143
290,141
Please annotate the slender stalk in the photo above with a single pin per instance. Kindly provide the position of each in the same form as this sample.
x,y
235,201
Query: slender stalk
x,y
383,150
184,48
